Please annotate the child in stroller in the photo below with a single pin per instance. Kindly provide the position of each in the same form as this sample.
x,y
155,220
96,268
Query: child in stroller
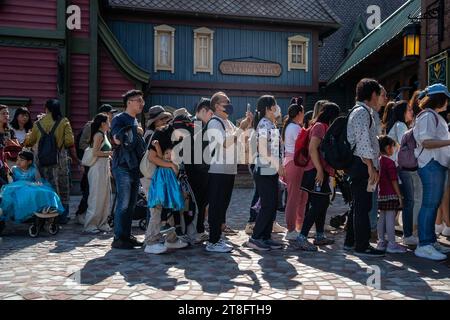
x,y
28,197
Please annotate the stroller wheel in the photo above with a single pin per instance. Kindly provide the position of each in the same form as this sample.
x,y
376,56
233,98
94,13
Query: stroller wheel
x,y
111,221
143,224
53,228
33,230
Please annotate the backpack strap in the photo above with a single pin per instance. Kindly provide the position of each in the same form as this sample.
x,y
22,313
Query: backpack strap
x,y
52,132
55,126
360,106
429,111
218,120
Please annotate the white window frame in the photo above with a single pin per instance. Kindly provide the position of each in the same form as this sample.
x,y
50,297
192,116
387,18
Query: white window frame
x,y
303,42
160,30
198,35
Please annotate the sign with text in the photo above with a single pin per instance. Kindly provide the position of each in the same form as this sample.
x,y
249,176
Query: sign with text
x,y
244,68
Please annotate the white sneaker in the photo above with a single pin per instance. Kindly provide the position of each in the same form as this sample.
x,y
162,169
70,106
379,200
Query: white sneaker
x,y
291,235
442,249
438,228
446,231
220,247
179,244
249,228
429,252
278,229
410,241
158,248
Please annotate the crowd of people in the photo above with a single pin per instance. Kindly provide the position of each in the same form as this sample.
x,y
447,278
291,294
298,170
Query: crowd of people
x,y
394,156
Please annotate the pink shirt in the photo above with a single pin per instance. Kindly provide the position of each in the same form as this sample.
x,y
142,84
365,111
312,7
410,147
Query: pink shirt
x,y
319,130
388,174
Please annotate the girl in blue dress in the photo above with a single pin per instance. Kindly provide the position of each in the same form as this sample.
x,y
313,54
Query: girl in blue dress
x,y
165,189
27,194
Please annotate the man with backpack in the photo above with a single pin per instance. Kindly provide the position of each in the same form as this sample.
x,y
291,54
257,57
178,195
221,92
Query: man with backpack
x,y
54,137
81,143
197,171
363,172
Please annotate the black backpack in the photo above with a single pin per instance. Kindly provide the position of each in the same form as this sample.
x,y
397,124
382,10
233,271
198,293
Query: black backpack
x,y
48,149
337,151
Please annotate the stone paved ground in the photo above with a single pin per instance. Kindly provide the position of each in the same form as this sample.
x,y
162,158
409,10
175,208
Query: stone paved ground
x,y
76,266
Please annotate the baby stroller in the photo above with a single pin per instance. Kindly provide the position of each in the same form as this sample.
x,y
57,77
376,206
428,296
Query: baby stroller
x,y
189,215
342,181
140,213
43,219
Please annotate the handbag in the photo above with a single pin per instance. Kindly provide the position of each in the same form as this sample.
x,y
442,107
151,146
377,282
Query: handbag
x,y
147,167
88,157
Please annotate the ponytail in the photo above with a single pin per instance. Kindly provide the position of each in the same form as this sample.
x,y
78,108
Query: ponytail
x,y
264,103
293,112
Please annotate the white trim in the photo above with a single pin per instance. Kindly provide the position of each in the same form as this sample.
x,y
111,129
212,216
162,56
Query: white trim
x,y
210,34
304,42
164,29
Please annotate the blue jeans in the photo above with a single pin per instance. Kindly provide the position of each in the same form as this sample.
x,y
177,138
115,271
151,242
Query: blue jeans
x,y
127,189
433,182
407,189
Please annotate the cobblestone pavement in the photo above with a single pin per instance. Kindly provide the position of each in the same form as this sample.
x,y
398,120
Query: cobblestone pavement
x,y
76,266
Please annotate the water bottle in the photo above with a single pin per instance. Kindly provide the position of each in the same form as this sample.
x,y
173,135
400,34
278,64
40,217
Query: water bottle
x,y
318,187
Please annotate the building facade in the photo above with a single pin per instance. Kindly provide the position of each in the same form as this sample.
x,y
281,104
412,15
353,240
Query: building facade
x,y
245,48
380,55
435,45
43,57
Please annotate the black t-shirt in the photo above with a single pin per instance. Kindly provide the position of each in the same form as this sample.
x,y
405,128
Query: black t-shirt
x,y
164,136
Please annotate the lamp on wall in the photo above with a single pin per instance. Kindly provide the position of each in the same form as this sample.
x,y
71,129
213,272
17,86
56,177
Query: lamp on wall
x,y
411,41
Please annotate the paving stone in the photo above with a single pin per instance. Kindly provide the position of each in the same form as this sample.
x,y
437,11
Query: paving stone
x,y
46,268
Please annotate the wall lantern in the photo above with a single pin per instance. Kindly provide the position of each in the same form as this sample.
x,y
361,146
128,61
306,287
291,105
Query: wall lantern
x,y
411,41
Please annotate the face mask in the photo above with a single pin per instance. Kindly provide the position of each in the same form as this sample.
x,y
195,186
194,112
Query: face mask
x,y
277,113
229,109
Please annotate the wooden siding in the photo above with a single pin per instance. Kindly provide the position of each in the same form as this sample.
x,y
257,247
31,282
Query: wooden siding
x,y
137,39
29,73
79,90
112,81
40,14
85,18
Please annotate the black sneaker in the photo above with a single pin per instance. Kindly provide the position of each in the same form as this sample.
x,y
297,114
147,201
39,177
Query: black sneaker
x,y
369,252
134,242
122,244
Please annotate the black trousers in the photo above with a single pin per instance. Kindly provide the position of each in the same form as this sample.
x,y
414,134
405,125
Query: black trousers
x,y
219,197
358,225
316,212
267,187
84,186
198,179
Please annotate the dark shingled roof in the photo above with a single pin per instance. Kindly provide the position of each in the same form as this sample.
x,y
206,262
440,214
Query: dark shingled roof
x,y
292,11
332,54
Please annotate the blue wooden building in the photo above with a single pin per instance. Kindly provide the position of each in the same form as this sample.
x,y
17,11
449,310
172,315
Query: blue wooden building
x,y
246,48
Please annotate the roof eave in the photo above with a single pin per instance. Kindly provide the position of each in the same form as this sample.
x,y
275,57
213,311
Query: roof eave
x,y
329,26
